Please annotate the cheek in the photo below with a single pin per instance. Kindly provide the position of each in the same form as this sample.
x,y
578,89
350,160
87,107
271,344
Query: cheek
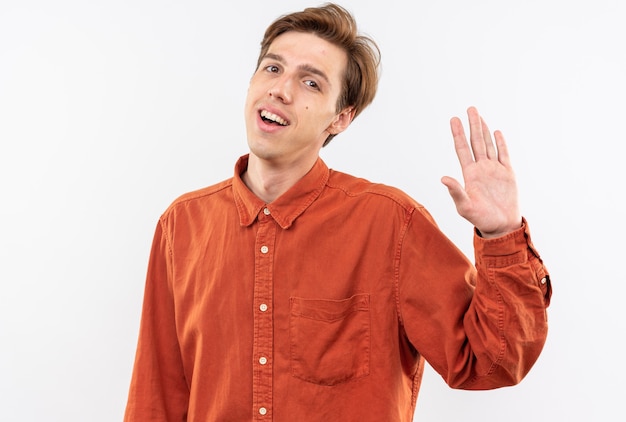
x,y
252,97
255,90
248,97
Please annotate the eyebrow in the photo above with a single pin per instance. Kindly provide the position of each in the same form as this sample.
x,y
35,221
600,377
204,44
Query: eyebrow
x,y
306,67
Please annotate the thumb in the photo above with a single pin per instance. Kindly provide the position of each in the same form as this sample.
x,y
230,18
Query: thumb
x,y
458,194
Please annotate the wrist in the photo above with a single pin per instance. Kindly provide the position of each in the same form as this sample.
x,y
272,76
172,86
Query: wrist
x,y
499,232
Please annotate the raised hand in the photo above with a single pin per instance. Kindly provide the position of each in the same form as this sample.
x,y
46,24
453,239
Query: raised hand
x,y
489,198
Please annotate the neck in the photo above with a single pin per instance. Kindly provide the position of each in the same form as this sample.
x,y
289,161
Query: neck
x,y
268,181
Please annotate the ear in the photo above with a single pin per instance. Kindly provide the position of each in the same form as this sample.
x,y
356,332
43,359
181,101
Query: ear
x,y
341,121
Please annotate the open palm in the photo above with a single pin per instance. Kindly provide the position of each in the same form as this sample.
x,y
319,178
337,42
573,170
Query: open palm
x,y
489,198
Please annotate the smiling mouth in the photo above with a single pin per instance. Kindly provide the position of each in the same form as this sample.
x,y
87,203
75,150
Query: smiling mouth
x,y
273,118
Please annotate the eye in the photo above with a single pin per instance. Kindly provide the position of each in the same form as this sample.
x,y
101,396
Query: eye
x,y
272,68
312,84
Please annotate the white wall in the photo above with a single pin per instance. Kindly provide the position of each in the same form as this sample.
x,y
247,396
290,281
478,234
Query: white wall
x,y
111,109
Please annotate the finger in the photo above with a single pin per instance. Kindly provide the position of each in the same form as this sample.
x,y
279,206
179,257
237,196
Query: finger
x,y
458,194
490,148
477,139
461,147
503,149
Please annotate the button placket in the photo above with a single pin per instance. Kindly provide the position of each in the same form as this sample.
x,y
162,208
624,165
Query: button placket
x,y
263,316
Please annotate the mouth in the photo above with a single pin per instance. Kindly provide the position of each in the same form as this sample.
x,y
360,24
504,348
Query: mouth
x,y
272,118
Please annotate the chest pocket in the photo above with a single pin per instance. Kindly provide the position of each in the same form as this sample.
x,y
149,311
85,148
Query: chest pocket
x,y
330,339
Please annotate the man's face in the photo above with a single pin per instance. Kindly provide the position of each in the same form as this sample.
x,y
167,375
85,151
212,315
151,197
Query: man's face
x,y
292,98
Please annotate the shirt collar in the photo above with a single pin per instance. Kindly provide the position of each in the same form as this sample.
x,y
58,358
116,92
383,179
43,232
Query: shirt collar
x,y
287,207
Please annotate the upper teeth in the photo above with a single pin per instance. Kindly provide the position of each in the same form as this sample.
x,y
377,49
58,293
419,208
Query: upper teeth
x,y
271,116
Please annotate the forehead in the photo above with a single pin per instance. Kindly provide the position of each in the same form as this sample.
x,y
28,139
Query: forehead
x,y
299,49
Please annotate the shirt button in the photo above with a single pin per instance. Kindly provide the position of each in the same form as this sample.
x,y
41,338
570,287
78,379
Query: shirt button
x,y
264,249
263,307
262,411
544,280
263,360
266,211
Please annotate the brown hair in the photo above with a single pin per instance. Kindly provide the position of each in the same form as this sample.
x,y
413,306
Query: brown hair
x,y
336,25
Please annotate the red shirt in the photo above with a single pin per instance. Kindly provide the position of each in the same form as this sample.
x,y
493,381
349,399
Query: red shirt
x,y
323,305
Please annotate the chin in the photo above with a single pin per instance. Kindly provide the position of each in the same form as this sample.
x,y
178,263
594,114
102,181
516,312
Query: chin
x,y
263,152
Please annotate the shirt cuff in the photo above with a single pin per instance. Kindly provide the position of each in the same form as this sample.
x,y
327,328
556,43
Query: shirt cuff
x,y
513,249
505,250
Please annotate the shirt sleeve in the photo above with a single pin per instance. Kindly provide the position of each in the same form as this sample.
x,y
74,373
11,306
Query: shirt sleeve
x,y
479,327
158,388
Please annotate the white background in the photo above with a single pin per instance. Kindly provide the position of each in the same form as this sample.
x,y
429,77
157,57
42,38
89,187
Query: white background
x,y
111,109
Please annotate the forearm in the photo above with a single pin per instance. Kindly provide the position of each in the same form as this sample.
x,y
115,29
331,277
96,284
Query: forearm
x,y
478,327
506,323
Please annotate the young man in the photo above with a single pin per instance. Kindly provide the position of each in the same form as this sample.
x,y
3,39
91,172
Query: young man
x,y
292,292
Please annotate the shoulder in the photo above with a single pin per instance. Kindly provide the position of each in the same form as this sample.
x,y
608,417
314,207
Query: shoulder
x,y
357,187
201,197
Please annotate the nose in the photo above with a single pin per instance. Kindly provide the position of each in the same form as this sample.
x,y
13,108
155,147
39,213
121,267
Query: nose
x,y
281,90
